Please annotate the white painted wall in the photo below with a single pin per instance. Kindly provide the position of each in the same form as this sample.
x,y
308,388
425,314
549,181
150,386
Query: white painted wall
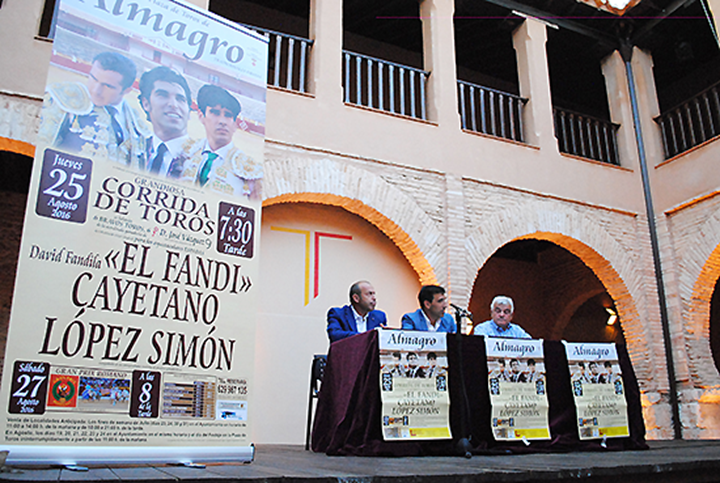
x,y
290,332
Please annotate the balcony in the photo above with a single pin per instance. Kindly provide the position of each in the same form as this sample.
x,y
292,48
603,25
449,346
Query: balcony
x,y
586,136
691,123
287,59
490,111
384,85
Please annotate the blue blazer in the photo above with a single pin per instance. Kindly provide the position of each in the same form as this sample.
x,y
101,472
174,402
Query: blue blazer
x,y
341,322
416,321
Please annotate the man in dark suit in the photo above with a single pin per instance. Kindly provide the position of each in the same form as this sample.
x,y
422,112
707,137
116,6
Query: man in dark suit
x,y
93,118
215,162
360,316
431,315
515,374
413,369
165,97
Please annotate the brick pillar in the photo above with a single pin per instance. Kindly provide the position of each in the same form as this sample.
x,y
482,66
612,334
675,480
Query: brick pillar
x,y
621,112
326,31
439,60
529,41
458,279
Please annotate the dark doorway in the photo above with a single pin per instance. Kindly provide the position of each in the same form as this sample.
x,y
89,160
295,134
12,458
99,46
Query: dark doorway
x,y
14,181
556,295
715,325
593,322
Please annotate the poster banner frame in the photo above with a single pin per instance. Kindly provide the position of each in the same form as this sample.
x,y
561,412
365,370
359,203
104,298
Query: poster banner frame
x,y
421,411
604,387
528,389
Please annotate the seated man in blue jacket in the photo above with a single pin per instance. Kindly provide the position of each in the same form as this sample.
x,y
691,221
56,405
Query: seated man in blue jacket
x,y
360,316
431,315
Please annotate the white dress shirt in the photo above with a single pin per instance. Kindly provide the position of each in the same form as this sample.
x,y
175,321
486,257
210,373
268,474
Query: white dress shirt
x,y
360,321
430,326
174,149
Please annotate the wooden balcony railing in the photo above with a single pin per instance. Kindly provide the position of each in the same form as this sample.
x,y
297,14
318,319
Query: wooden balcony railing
x,y
586,136
384,85
691,123
287,59
490,111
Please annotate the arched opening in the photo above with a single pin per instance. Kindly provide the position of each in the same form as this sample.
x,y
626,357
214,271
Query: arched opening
x,y
415,256
702,326
715,325
310,255
15,172
557,296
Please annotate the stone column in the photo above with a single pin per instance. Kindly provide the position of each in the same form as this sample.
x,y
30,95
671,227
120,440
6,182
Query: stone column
x,y
642,66
326,31
534,77
618,95
439,60
656,405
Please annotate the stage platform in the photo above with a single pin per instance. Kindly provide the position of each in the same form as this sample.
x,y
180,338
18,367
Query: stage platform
x,y
665,461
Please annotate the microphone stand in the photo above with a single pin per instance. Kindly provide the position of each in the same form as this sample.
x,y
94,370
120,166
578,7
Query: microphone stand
x,y
463,446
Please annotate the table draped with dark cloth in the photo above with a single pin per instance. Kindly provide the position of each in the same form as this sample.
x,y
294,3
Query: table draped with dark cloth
x,y
348,415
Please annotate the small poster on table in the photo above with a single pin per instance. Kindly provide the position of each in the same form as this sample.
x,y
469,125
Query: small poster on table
x,y
518,392
414,385
598,390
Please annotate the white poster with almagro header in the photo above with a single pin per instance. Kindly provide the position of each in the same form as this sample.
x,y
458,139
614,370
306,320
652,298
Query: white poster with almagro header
x,y
598,390
414,385
517,384
132,328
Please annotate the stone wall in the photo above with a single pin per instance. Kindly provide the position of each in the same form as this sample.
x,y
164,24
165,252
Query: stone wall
x,y
19,117
455,224
691,264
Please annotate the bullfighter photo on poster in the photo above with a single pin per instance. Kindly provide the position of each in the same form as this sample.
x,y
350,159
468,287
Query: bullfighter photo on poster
x,y
133,316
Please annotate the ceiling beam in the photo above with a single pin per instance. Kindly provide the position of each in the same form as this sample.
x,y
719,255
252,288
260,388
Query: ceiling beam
x,y
665,13
599,36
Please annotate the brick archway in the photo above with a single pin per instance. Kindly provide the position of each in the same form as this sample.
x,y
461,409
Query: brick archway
x,y
365,194
17,147
696,233
591,243
697,334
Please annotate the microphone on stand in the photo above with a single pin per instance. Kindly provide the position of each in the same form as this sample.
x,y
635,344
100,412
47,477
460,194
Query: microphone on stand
x,y
462,444
462,311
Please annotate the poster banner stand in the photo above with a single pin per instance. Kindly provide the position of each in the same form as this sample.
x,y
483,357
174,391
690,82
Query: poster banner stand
x,y
119,455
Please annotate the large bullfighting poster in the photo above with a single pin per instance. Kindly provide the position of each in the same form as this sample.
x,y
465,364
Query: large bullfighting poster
x,y
132,324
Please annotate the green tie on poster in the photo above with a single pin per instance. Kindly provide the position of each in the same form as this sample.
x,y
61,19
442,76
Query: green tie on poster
x,y
132,328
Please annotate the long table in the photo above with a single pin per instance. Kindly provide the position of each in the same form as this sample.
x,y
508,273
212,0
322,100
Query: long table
x,y
347,418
